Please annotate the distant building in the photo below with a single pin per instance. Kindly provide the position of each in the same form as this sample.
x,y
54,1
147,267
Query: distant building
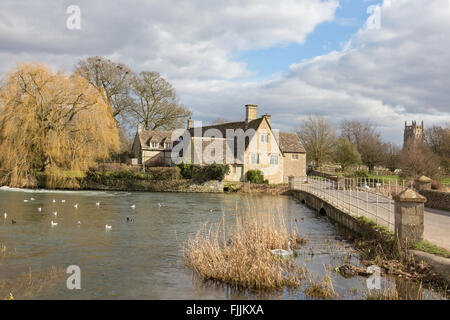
x,y
413,135
277,154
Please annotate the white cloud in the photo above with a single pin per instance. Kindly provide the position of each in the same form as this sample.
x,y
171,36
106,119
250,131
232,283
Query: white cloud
x,y
399,72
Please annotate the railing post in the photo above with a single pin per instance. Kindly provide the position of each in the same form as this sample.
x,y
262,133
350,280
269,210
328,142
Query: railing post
x,y
376,214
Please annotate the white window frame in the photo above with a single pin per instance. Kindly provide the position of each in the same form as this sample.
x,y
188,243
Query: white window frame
x,y
274,159
294,156
155,145
254,158
264,138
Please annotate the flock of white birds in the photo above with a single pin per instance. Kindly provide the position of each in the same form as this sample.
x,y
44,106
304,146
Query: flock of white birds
x,y
55,213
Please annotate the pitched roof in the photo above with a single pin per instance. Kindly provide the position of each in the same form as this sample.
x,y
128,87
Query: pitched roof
x,y
148,136
290,143
254,124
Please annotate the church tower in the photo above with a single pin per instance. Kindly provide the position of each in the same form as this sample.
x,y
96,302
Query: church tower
x,y
413,134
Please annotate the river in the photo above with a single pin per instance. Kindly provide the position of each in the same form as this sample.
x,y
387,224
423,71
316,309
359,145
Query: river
x,y
142,259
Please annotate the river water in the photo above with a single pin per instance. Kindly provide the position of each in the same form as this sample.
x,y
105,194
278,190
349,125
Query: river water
x,y
142,259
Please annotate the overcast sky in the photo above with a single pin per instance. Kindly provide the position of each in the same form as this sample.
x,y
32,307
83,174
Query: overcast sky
x,y
291,57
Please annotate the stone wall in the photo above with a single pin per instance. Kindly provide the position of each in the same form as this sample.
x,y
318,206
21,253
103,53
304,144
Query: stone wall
x,y
436,199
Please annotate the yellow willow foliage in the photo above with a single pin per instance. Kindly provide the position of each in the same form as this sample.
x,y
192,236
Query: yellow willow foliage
x,y
51,122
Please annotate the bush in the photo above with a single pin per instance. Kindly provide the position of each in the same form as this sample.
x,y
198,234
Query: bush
x,y
130,176
210,172
186,170
361,174
255,176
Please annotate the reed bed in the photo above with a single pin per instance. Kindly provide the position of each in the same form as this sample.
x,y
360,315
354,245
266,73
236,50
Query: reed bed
x,y
243,260
321,288
29,285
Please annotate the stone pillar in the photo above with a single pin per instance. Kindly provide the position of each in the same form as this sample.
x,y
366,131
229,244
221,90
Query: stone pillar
x,y
409,211
423,183
291,182
340,182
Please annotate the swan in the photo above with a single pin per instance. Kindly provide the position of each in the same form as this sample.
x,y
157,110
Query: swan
x,y
76,205
108,227
55,213
282,252
53,224
39,209
133,206
5,215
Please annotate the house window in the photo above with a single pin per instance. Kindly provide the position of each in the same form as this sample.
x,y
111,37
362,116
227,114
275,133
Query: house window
x,y
295,157
155,145
167,145
264,137
254,158
274,159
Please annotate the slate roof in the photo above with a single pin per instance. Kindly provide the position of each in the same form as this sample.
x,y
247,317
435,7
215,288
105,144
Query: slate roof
x,y
148,136
290,143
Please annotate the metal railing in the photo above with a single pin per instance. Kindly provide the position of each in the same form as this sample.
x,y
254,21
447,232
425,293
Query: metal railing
x,y
359,197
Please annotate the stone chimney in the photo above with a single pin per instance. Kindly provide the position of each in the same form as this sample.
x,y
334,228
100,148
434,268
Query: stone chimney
x,y
190,123
267,116
139,128
251,112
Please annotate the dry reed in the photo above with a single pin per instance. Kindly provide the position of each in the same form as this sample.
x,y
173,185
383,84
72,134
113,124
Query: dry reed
x,y
244,260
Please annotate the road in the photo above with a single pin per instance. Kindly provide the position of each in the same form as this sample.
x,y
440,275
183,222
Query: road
x,y
381,209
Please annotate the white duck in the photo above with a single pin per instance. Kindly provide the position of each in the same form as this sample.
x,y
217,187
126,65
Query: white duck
x,y
54,201
5,215
282,252
26,200
108,227
79,223
75,206
63,201
39,209
53,224
32,199
55,213
97,204
133,206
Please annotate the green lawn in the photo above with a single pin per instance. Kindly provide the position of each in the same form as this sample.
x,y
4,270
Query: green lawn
x,y
426,246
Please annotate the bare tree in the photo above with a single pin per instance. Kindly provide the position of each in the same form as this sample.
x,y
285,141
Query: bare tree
x,y
156,105
367,141
219,120
418,160
111,79
318,137
391,156
438,140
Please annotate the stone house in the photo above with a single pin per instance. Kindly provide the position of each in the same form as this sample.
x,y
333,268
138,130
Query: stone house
x,y
246,145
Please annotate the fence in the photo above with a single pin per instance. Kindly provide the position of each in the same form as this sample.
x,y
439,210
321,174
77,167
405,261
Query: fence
x,y
360,197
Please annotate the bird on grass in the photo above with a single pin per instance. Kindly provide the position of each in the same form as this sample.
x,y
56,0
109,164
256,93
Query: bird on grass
x,y
282,252
108,227
53,224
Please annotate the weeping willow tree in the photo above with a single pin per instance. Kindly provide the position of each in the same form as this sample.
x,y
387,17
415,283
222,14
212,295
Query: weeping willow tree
x,y
51,123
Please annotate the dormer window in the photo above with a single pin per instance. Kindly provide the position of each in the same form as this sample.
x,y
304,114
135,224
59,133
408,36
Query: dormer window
x,y
154,145
167,145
